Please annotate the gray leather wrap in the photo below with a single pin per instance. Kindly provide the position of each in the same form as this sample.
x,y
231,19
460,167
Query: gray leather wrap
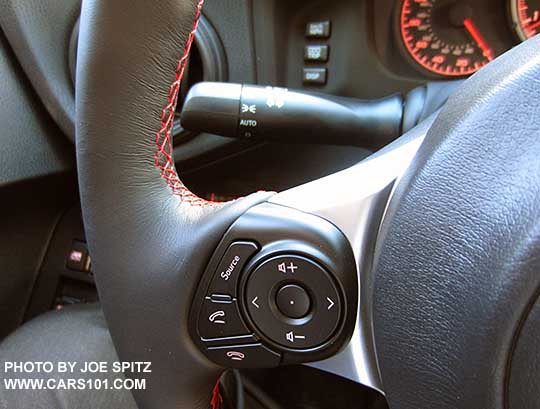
x,y
457,266
149,247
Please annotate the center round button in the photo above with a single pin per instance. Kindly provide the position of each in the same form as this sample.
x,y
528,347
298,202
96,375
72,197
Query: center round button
x,y
293,301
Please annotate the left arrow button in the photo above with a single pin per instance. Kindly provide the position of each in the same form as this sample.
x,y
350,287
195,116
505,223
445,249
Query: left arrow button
x,y
254,302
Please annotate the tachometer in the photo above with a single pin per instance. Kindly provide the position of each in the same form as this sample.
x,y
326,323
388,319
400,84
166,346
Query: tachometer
x,y
526,17
443,36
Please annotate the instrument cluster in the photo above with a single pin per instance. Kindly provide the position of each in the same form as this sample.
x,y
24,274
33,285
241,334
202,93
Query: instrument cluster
x,y
455,38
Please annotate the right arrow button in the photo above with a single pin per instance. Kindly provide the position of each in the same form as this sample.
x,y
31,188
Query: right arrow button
x,y
330,303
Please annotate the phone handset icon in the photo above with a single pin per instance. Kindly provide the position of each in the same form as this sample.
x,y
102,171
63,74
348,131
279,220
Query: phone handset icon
x,y
215,317
235,355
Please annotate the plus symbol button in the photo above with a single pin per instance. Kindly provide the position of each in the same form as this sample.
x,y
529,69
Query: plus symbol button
x,y
292,267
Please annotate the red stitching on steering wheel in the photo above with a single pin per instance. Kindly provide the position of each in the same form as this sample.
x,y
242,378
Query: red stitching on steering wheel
x,y
164,149
217,399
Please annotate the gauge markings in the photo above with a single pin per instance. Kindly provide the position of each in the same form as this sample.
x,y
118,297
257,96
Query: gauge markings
x,y
526,17
442,37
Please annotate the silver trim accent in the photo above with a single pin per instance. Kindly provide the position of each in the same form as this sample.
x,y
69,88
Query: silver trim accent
x,y
355,200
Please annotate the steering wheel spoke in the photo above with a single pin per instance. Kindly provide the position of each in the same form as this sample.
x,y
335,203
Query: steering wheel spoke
x,y
355,201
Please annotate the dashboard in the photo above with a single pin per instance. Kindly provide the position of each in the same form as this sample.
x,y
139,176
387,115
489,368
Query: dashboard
x,y
379,47
365,49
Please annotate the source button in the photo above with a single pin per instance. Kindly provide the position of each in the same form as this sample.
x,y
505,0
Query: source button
x,y
226,276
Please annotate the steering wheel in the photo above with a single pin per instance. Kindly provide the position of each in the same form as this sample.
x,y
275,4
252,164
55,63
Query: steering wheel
x,y
442,227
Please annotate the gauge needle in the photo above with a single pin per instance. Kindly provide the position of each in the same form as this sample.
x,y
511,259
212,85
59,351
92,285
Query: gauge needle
x,y
534,25
475,34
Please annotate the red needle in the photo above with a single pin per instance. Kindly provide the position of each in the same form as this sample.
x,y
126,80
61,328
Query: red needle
x,y
473,31
534,26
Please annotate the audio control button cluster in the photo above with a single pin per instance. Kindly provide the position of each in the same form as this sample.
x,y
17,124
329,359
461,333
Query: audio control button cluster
x,y
293,301
281,288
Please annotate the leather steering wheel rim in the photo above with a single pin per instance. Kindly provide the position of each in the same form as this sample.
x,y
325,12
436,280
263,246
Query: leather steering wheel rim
x,y
150,237
457,269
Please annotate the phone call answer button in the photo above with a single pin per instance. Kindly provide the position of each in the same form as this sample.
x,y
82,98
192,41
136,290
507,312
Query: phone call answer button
x,y
220,319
